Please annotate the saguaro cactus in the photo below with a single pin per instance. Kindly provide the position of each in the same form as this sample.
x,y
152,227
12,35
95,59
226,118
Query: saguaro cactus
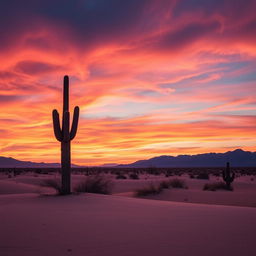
x,y
227,176
64,134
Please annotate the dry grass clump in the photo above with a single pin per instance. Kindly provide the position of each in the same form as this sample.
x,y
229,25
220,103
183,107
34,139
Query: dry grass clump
x,y
52,183
178,183
165,184
191,176
152,189
134,176
97,184
174,183
121,176
216,186
203,176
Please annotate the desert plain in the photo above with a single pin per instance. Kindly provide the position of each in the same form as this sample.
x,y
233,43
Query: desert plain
x,y
176,221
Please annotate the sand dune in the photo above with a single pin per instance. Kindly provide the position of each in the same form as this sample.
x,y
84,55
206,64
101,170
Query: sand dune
x,y
11,187
93,225
33,223
244,193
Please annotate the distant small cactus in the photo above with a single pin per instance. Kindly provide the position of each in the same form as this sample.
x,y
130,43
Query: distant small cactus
x,y
227,176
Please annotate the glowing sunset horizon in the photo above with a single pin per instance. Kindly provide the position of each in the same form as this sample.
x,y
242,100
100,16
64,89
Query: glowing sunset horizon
x,y
151,77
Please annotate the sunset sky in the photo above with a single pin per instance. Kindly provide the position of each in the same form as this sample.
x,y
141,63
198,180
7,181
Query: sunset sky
x,y
151,77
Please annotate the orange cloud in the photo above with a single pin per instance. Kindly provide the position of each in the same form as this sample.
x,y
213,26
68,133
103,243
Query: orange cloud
x,y
150,79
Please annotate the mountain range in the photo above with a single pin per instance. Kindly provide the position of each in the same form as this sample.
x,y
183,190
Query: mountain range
x,y
9,162
237,158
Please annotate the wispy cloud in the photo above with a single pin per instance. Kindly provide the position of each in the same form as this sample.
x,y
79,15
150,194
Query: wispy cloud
x,y
150,78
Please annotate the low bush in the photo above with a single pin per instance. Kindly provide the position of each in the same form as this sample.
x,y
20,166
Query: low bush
x,y
52,183
121,177
95,184
177,183
164,184
203,176
152,189
134,176
216,186
153,170
174,183
168,174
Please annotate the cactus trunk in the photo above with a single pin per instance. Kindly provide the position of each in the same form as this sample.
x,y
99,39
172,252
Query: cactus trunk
x,y
64,134
228,177
65,168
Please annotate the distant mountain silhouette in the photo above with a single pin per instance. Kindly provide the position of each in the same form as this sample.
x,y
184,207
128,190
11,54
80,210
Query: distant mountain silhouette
x,y
237,158
9,162
109,165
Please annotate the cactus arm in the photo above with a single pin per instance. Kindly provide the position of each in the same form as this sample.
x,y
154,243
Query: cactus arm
x,y
56,125
74,123
232,177
65,128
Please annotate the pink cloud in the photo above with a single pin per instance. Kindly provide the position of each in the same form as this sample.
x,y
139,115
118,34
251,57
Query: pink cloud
x,y
150,79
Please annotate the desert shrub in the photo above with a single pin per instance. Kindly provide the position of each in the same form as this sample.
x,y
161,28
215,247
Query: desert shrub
x,y
121,177
152,189
203,176
134,176
164,184
177,183
168,173
153,170
97,184
191,176
52,183
174,183
16,172
38,171
216,186
178,173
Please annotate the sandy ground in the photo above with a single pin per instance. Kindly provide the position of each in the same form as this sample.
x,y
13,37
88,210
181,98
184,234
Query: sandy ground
x,y
244,193
92,224
34,223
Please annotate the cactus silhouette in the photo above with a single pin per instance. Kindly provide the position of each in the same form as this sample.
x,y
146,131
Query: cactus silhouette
x,y
64,134
227,176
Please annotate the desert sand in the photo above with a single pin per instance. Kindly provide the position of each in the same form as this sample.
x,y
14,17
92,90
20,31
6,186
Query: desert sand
x,y
35,222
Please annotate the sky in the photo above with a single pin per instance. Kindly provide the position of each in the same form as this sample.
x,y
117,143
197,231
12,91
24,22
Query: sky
x,y
151,77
